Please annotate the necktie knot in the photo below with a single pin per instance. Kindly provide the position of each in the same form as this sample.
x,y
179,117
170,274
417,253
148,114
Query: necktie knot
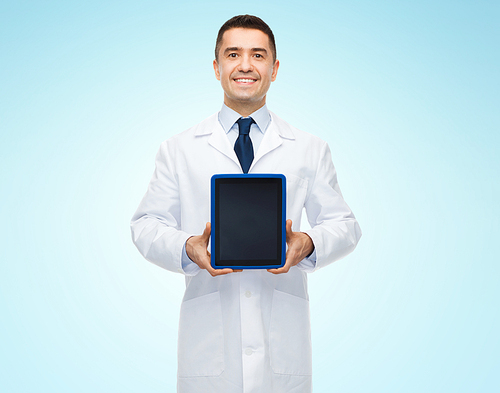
x,y
244,125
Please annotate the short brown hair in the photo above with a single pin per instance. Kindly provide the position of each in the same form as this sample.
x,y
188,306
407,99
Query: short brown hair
x,y
245,22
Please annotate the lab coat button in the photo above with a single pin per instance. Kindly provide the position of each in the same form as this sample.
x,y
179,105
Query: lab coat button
x,y
248,294
248,351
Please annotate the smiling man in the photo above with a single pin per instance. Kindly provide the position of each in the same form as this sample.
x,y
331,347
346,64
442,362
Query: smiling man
x,y
243,331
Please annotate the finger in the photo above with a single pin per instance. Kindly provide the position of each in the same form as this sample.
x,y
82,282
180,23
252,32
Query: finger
x,y
284,269
281,270
219,272
214,272
224,271
288,229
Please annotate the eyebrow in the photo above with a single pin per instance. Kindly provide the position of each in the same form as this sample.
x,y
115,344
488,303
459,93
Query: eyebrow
x,y
237,48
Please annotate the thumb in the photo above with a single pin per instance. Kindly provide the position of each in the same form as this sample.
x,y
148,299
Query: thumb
x,y
206,232
288,228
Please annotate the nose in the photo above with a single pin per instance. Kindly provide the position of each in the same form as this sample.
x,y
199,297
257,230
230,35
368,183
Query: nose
x,y
245,64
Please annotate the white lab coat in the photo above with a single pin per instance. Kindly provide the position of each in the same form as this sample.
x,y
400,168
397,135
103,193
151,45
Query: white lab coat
x,y
250,331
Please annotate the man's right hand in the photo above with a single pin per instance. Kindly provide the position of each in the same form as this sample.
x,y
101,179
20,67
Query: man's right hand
x,y
196,249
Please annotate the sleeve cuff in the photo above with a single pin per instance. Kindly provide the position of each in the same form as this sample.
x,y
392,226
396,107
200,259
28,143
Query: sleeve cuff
x,y
189,268
308,264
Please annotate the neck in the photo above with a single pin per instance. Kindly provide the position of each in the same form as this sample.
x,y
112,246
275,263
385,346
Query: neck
x,y
246,108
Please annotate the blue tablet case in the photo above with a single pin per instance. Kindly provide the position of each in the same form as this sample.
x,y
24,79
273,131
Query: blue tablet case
x,y
248,221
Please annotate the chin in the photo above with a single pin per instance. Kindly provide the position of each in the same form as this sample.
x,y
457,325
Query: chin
x,y
242,98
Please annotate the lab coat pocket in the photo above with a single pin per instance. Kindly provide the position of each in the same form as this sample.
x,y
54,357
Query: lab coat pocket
x,y
290,335
201,344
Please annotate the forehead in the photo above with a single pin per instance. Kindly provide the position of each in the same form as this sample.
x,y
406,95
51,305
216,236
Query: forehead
x,y
245,39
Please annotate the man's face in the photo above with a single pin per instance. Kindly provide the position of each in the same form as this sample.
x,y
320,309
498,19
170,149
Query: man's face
x,y
245,67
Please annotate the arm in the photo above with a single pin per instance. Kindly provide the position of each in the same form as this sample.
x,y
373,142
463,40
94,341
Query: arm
x,y
334,229
155,225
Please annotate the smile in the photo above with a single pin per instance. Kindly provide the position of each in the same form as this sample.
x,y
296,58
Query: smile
x,y
244,80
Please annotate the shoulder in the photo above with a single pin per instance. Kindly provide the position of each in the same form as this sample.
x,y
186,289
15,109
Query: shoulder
x,y
205,127
286,130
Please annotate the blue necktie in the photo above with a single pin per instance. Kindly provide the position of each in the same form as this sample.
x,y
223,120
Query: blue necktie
x,y
243,146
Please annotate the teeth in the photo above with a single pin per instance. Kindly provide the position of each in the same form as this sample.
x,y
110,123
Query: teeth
x,y
244,80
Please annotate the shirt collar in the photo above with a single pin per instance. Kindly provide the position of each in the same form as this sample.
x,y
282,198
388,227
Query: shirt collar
x,y
227,118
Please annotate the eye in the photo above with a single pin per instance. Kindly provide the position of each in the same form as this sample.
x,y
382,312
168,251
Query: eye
x,y
258,55
232,55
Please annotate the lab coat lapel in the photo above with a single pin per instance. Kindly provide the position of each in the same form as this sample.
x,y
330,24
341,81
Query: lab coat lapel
x,y
273,138
219,140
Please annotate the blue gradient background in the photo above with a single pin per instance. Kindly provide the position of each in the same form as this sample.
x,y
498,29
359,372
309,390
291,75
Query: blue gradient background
x,y
405,93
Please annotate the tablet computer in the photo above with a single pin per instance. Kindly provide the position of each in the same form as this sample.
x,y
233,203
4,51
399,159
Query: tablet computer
x,y
248,221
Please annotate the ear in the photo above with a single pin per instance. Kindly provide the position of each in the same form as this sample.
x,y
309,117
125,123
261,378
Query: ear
x,y
275,70
216,69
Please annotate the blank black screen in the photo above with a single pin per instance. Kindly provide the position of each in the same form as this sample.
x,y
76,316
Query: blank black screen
x,y
248,222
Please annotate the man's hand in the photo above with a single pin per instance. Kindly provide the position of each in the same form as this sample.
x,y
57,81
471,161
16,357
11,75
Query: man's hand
x,y
300,246
196,249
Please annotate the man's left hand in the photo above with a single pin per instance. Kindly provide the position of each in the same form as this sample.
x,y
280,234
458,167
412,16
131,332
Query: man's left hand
x,y
300,246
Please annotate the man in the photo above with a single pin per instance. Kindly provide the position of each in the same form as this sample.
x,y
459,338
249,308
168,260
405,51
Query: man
x,y
243,331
